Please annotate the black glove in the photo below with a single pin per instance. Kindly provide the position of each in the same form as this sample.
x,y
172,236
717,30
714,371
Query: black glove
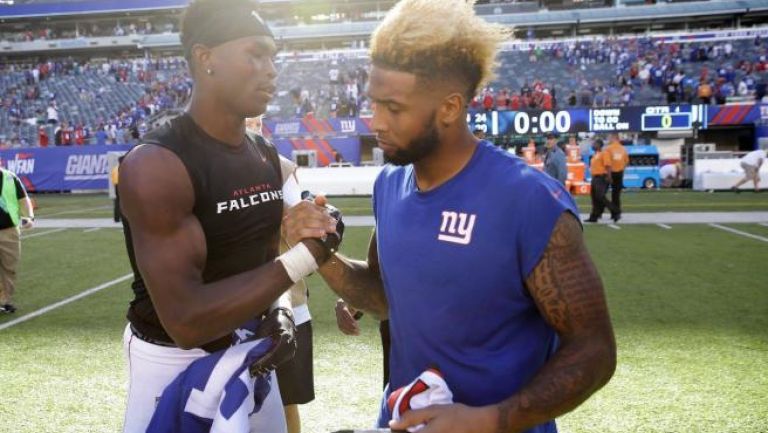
x,y
281,329
332,240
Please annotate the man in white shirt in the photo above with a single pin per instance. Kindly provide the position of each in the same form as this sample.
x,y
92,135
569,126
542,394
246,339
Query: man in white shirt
x,y
742,89
53,114
751,164
671,175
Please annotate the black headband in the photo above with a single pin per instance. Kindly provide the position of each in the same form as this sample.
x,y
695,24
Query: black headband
x,y
227,24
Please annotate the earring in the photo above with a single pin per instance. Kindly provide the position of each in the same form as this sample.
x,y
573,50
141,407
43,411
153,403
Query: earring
x,y
209,71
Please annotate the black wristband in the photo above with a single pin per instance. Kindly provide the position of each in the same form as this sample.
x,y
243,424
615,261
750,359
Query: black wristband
x,y
288,312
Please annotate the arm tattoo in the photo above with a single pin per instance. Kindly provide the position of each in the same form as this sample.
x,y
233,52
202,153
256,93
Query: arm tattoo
x,y
565,283
358,283
569,295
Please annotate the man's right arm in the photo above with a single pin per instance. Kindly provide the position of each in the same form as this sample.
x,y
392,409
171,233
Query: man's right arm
x,y
357,282
157,198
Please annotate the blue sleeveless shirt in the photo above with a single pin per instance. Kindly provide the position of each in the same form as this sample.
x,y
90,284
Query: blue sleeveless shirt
x,y
454,260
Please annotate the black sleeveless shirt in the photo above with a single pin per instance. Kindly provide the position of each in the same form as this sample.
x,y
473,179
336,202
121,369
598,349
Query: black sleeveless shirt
x,y
238,201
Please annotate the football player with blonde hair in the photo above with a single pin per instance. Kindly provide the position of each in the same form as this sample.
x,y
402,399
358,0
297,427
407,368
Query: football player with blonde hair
x,y
477,260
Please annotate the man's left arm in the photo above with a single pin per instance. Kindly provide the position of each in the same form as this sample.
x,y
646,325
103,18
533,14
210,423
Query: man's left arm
x,y
606,155
569,294
563,168
25,205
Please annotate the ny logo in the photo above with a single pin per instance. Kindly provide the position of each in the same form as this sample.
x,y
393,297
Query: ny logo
x,y
348,126
457,227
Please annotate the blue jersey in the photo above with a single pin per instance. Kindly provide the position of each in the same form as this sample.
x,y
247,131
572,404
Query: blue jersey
x,y
215,393
454,260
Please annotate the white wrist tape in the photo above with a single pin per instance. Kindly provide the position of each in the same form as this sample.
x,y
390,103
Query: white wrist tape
x,y
298,262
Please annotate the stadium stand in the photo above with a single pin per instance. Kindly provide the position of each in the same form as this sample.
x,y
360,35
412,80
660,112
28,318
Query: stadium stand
x,y
110,94
112,87
633,71
549,75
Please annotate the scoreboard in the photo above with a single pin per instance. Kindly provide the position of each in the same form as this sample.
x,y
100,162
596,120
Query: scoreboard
x,y
601,120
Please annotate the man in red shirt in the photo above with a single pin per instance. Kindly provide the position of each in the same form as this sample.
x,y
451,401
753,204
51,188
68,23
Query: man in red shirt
x,y
514,102
66,134
502,100
79,135
488,100
546,100
42,137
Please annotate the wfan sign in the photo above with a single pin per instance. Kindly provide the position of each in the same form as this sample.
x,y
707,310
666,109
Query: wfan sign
x,y
61,168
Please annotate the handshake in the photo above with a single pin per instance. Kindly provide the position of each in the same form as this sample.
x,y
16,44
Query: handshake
x,y
331,240
314,230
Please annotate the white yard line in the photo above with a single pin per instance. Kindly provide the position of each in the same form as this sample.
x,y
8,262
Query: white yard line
x,y
64,302
664,226
739,232
764,224
74,211
92,230
614,226
34,235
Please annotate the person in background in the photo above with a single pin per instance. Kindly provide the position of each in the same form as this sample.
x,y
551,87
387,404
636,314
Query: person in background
x,y
101,136
479,132
114,177
555,163
15,211
295,377
598,168
671,175
42,137
347,320
618,157
751,164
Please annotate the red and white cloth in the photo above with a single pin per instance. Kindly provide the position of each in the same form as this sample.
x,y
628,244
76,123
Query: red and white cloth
x,y
426,390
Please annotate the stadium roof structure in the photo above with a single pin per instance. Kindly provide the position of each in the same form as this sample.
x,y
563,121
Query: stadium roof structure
x,y
635,13
84,7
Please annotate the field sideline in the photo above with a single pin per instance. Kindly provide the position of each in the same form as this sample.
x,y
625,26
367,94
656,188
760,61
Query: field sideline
x,y
688,304
100,206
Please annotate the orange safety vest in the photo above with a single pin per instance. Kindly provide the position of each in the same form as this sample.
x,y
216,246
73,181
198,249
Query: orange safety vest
x,y
597,165
115,176
616,156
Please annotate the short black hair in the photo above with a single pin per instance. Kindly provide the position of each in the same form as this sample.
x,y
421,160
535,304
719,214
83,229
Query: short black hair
x,y
196,18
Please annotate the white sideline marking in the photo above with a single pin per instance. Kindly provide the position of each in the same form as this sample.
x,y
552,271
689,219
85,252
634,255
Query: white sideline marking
x,y
92,230
42,233
764,224
74,211
739,232
614,226
64,302
664,226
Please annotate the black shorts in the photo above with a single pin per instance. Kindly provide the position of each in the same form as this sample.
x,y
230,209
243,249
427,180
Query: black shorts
x,y
295,377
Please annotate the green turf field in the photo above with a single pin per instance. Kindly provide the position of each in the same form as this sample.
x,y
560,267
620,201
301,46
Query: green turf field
x,y
689,306
100,206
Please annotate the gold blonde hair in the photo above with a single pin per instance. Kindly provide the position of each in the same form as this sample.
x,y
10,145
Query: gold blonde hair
x,y
439,40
